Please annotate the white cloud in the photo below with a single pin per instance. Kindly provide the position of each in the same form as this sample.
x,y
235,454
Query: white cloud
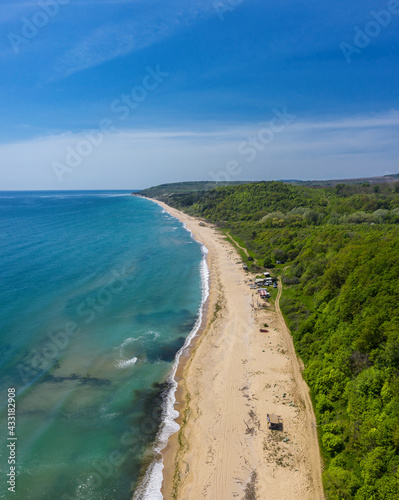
x,y
370,121
344,148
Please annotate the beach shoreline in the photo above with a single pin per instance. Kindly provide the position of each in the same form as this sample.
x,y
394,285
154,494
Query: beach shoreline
x,y
228,379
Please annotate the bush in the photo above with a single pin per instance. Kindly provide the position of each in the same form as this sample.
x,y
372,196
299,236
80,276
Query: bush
x,y
332,443
293,280
361,218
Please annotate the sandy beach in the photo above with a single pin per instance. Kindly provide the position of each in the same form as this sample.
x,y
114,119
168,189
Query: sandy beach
x,y
233,377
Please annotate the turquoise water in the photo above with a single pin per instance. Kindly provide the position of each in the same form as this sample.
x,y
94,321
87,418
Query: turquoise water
x,y
99,291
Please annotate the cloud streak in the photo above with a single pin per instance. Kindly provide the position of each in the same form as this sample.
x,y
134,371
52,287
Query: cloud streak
x,y
117,40
101,46
138,158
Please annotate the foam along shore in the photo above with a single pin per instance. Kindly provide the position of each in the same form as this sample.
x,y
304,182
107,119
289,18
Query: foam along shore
x,y
231,380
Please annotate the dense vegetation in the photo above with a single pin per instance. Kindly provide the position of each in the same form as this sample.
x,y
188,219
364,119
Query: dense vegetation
x,y
339,248
163,191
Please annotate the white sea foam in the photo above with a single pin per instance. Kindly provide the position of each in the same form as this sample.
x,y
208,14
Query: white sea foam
x,y
126,363
109,416
150,487
124,344
152,333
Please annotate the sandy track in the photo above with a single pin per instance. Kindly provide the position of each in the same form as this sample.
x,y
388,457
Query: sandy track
x,y
233,378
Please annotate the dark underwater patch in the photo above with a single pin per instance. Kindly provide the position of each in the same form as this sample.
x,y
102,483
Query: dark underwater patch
x,y
84,380
165,352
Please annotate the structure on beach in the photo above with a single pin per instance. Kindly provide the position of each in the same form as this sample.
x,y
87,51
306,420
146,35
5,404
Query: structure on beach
x,y
275,422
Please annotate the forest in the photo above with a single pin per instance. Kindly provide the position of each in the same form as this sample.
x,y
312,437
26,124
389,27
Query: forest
x,y
337,251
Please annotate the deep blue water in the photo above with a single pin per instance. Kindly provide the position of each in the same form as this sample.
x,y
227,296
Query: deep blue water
x,y
99,291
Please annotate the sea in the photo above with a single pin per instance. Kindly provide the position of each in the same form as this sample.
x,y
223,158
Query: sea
x,y
100,294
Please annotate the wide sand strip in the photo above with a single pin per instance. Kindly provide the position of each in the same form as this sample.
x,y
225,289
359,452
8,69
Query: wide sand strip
x,y
233,378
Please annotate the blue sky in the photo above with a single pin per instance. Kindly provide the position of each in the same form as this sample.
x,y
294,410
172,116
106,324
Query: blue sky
x,y
131,93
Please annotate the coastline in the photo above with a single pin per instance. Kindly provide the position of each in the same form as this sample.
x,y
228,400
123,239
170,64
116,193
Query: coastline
x,y
150,487
228,379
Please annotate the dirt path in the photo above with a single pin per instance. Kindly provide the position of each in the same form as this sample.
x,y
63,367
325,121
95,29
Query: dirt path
x,y
239,246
